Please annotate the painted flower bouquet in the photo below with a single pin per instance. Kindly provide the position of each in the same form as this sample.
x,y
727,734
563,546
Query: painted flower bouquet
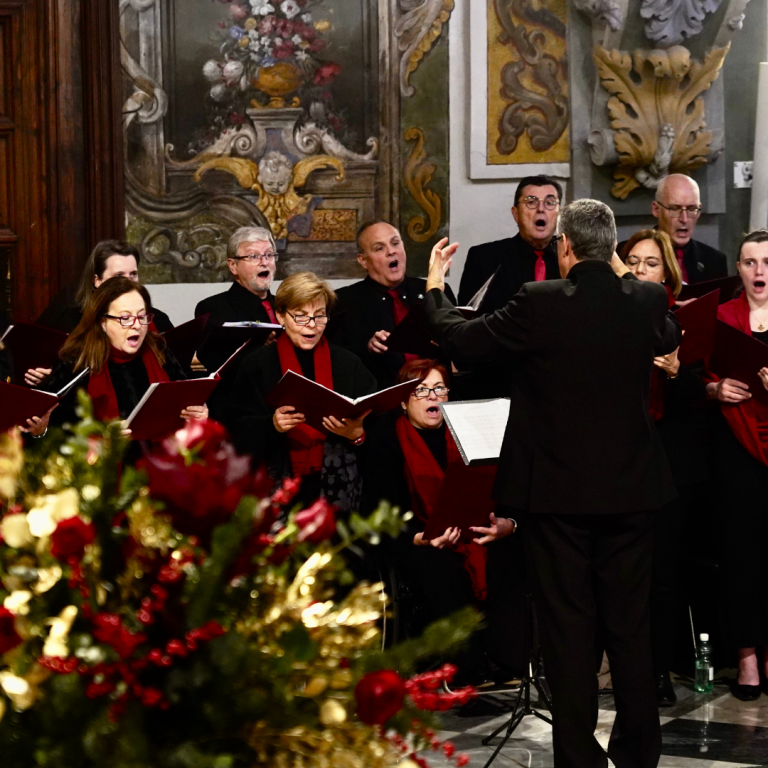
x,y
178,613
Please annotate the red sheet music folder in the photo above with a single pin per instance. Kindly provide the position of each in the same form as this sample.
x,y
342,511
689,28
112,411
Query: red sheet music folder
x,y
739,356
464,500
17,404
157,414
726,285
32,346
316,401
698,320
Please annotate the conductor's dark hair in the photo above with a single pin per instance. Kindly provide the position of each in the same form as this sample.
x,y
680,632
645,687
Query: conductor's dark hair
x,y
366,225
758,236
97,263
537,181
418,370
590,228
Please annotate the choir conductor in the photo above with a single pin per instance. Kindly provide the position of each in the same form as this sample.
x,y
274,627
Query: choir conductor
x,y
583,464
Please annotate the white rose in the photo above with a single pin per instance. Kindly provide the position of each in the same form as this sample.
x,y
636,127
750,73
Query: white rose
x,y
219,92
50,510
233,71
18,602
212,71
290,8
15,530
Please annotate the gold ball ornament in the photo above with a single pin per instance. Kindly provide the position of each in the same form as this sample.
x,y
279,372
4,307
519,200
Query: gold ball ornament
x,y
332,713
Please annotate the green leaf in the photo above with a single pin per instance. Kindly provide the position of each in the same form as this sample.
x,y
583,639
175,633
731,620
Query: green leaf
x,y
299,644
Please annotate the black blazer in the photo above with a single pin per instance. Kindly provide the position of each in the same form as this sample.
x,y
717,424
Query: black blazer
x,y
248,417
702,261
236,305
64,314
580,438
516,260
367,308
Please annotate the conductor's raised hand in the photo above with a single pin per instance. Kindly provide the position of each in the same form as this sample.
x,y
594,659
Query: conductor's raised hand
x,y
499,528
286,417
439,263
728,391
352,429
668,363
449,538
377,343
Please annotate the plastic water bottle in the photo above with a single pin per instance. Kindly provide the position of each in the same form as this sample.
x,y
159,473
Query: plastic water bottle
x,y
705,672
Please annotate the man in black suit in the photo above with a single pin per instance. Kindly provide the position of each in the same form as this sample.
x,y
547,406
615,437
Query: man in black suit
x,y
583,463
677,208
369,310
252,260
529,255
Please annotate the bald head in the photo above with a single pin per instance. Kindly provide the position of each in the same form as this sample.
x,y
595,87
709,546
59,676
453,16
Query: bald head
x,y
674,193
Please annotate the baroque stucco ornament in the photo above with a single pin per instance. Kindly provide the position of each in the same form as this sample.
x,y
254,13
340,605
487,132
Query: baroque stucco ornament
x,y
657,113
672,22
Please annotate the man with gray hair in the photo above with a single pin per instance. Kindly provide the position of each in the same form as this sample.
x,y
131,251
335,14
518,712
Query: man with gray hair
x,y
582,470
252,259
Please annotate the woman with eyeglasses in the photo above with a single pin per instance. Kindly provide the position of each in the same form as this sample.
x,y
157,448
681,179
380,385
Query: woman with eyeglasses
x,y
675,390
114,341
327,463
408,456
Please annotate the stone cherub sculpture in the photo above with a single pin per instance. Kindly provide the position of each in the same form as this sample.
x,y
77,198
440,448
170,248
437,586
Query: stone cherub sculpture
x,y
276,179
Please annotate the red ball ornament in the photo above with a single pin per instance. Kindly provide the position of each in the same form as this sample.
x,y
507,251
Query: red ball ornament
x,y
379,696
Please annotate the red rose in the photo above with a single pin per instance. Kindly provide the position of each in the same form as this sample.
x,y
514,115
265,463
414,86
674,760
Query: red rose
x,y
71,537
317,523
9,637
325,73
108,629
379,696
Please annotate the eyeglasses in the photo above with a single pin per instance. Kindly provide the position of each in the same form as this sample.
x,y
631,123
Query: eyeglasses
x,y
256,257
633,261
675,211
557,238
127,321
422,392
320,320
532,202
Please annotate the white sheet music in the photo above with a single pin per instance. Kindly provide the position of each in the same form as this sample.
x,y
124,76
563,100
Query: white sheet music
x,y
478,427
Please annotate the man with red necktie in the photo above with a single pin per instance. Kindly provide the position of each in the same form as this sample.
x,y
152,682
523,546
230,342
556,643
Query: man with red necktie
x,y
370,309
677,208
528,256
252,260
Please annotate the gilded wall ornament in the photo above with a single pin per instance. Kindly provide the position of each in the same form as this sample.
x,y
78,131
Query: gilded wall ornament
x,y
417,30
418,174
657,113
275,180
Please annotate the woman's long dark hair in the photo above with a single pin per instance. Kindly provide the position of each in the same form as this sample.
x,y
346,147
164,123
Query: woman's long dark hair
x,y
97,263
88,345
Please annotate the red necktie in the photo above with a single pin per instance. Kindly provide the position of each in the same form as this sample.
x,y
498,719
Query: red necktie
x,y
399,311
270,312
540,270
681,261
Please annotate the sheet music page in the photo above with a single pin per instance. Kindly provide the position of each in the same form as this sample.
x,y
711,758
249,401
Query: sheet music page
x,y
478,426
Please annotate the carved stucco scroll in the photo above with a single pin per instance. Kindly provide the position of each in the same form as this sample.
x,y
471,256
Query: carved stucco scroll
x,y
417,30
544,116
672,22
418,174
657,112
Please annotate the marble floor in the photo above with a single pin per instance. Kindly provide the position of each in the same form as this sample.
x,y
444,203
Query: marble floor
x,y
701,731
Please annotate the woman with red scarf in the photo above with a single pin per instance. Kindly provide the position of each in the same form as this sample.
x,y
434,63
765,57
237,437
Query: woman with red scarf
x,y
742,461
115,341
279,438
675,388
407,462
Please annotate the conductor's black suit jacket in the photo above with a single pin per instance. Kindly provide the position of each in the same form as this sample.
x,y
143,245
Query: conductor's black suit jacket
x,y
580,438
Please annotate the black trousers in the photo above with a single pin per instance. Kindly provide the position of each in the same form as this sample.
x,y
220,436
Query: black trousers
x,y
592,573
744,527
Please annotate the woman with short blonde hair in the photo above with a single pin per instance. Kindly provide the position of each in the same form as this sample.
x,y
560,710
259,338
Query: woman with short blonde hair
x,y
302,288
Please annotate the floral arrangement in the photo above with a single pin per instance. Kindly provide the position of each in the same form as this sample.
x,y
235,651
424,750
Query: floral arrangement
x,y
268,50
163,614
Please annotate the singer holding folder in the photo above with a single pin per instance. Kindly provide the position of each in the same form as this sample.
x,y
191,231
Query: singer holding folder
x,y
582,462
742,469
124,356
279,438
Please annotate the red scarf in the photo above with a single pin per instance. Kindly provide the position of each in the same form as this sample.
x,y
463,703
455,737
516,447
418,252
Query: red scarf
x,y
656,395
425,479
306,443
100,388
748,419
